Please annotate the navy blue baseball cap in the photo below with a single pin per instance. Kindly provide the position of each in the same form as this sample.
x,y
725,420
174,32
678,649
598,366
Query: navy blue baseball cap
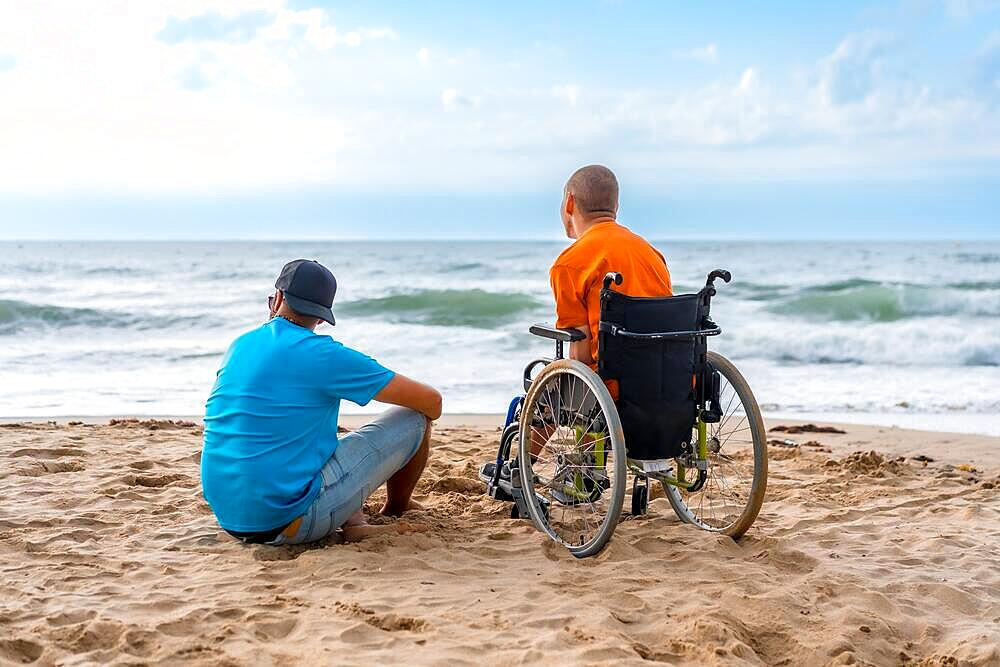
x,y
309,288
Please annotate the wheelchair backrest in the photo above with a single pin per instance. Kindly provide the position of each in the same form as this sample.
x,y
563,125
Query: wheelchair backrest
x,y
657,399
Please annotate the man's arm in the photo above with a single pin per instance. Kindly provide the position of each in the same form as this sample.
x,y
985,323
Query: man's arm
x,y
408,393
580,349
571,306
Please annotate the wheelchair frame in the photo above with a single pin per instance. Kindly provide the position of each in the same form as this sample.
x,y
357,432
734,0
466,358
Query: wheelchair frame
x,y
511,490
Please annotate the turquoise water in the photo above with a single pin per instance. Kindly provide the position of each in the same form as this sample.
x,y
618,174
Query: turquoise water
x,y
876,329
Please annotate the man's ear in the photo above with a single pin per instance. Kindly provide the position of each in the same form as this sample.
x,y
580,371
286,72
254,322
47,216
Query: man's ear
x,y
279,298
570,203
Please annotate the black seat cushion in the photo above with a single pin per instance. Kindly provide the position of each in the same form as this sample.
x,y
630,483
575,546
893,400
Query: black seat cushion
x,y
656,396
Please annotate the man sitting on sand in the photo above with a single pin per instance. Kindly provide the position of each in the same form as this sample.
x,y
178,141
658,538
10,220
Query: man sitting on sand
x,y
273,468
589,211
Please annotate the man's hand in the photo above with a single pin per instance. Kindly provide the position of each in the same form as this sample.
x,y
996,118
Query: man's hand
x,y
580,349
408,393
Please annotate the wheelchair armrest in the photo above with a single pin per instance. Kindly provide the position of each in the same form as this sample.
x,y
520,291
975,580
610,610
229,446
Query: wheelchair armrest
x,y
546,330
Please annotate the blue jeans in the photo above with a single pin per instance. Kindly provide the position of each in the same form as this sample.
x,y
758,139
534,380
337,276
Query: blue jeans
x,y
363,461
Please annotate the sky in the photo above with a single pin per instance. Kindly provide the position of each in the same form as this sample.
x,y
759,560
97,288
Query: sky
x,y
298,119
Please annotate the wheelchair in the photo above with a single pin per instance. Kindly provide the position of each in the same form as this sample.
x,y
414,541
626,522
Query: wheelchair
x,y
661,408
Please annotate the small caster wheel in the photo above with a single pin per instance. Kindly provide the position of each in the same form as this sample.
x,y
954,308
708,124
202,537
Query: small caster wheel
x,y
640,498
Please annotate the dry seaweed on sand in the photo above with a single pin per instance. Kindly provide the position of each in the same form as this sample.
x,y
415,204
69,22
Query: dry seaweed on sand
x,y
806,428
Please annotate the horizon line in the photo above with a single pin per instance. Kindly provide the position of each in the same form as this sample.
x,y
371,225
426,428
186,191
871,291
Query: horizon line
x,y
519,239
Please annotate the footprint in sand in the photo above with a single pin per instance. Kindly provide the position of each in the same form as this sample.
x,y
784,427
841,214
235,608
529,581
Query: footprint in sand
x,y
229,614
77,536
267,553
72,617
154,481
39,468
47,452
269,627
20,651
89,636
460,485
140,643
388,622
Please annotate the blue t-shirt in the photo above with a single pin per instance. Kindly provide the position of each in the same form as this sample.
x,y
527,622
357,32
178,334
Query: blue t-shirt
x,y
271,422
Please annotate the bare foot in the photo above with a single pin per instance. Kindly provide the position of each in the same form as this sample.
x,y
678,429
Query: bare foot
x,y
362,531
413,505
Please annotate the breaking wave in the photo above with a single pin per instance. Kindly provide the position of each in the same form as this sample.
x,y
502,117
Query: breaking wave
x,y
450,307
871,301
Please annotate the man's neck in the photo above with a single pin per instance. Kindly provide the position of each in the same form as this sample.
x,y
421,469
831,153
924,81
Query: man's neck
x,y
297,321
585,226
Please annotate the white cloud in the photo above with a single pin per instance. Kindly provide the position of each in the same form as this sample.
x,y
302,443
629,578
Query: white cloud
x,y
568,92
452,98
706,54
852,71
96,101
448,97
749,80
318,31
379,33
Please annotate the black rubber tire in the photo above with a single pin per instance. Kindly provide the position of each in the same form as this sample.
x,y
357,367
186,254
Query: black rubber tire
x,y
759,436
539,515
640,498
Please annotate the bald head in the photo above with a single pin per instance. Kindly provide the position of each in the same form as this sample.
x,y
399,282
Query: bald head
x,y
595,191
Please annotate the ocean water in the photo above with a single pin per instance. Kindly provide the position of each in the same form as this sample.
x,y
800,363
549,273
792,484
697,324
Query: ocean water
x,y
888,332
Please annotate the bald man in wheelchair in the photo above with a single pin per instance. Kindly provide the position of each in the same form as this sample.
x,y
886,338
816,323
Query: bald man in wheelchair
x,y
589,215
639,397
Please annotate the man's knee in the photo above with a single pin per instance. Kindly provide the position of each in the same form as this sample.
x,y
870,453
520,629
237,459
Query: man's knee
x,y
424,444
425,440
417,427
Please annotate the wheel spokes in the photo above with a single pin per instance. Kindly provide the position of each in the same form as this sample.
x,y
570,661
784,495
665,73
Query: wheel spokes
x,y
729,482
572,458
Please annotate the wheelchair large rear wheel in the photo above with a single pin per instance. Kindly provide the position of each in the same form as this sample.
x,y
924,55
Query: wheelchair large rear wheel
x,y
733,492
572,457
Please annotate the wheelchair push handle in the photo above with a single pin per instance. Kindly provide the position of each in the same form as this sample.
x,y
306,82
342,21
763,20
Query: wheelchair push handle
x,y
612,277
709,289
718,273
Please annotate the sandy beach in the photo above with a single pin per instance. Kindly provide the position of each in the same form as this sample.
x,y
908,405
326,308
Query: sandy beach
x,y
862,554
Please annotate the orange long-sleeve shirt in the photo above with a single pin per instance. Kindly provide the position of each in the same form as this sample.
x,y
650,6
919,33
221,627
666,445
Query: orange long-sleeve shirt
x,y
578,274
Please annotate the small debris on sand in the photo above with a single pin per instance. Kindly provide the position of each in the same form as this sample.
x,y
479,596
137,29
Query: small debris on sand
x,y
806,428
152,424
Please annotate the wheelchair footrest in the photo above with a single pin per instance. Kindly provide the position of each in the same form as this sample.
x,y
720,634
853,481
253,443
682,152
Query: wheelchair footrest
x,y
652,466
499,490
507,488
520,509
